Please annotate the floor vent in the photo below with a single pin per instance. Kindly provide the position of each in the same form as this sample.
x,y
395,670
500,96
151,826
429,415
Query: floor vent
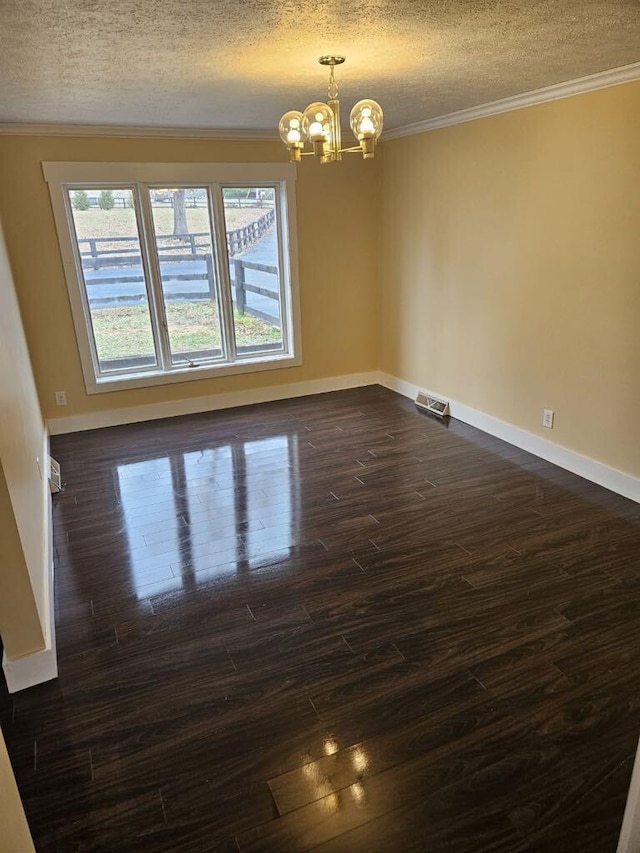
x,y
432,404
55,478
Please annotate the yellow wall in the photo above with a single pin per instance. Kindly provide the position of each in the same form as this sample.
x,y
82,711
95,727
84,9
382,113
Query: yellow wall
x,y
23,508
337,218
15,837
504,252
511,268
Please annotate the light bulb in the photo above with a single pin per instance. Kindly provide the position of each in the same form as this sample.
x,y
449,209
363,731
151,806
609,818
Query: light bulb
x,y
366,124
290,129
367,127
366,119
317,122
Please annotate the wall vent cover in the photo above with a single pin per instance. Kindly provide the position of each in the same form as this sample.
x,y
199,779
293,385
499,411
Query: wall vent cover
x,y
430,403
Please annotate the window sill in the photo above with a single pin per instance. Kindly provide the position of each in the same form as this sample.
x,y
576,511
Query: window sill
x,y
144,380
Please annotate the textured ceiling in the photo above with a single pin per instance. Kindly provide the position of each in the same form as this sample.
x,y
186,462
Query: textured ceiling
x,y
241,63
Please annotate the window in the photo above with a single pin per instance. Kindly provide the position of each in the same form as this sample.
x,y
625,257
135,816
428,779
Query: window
x,y
179,271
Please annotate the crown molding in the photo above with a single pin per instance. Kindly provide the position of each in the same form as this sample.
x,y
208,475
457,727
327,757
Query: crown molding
x,y
132,131
579,86
601,80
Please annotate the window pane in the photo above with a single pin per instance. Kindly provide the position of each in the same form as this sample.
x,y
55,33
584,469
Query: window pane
x,y
252,241
183,239
114,280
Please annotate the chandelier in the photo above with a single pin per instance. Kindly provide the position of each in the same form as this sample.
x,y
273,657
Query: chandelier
x,y
320,124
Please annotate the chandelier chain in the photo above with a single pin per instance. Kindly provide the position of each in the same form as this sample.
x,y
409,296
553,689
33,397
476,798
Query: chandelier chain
x,y
333,85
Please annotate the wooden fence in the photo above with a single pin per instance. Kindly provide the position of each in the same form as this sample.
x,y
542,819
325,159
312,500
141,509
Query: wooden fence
x,y
241,286
241,239
193,251
238,240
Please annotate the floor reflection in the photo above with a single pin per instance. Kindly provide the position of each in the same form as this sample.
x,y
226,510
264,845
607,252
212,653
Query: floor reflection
x,y
137,483
328,778
208,513
270,467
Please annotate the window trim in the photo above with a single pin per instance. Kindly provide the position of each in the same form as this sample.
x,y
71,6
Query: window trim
x,y
59,175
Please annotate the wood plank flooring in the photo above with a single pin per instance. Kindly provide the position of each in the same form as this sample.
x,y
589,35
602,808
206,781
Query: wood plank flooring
x,y
332,624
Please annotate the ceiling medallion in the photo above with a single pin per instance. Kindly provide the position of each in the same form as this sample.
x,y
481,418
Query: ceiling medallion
x,y
320,124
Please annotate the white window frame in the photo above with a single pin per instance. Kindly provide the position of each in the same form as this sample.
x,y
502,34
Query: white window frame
x,y
63,175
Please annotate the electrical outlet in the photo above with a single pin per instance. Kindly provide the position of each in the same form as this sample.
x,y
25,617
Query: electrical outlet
x,y
547,418
61,398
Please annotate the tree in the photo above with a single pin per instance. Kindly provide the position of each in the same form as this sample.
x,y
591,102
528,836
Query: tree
x,y
106,200
80,200
180,225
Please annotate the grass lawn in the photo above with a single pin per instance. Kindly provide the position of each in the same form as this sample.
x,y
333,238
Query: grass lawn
x,y
123,330
120,222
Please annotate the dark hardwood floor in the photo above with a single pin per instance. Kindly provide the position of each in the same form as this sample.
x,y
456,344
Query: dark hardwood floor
x,y
332,624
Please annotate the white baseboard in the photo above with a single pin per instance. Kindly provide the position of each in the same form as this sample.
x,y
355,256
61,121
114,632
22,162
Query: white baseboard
x,y
629,841
42,666
213,402
29,670
583,466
